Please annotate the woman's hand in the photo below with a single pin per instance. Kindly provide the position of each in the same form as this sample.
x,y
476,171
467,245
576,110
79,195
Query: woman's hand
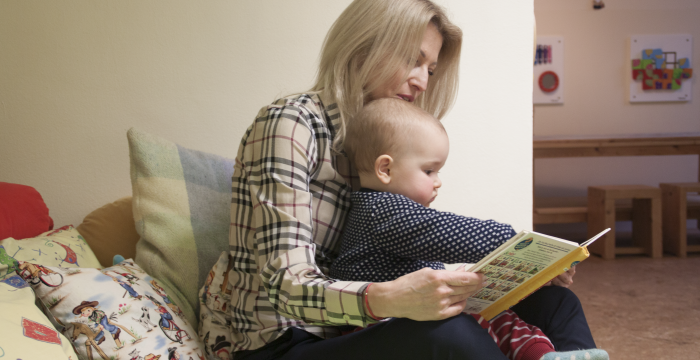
x,y
424,294
565,279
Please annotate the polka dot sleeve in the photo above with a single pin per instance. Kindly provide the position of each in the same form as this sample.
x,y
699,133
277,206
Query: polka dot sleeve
x,y
407,229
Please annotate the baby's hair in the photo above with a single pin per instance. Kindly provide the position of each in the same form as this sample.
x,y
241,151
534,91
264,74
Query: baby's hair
x,y
383,126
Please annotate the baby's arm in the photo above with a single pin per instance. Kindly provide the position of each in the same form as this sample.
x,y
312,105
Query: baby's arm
x,y
410,230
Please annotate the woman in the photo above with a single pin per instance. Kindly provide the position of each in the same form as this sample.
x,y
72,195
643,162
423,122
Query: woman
x,y
291,188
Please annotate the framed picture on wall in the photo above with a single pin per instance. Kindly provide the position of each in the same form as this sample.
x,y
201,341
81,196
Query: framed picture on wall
x,y
661,68
548,86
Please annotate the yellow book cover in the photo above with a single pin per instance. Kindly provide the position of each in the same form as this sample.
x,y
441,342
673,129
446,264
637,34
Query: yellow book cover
x,y
521,266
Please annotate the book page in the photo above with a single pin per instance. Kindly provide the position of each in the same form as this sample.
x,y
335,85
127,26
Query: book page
x,y
514,265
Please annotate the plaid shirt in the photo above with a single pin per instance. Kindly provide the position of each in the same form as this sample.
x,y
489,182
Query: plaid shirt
x,y
289,204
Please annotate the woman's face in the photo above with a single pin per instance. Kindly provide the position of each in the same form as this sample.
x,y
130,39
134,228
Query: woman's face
x,y
418,75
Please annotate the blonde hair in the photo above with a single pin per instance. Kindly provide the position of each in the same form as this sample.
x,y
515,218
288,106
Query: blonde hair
x,y
384,126
372,39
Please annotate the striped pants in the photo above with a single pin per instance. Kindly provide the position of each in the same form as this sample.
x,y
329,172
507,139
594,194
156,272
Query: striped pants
x,y
517,339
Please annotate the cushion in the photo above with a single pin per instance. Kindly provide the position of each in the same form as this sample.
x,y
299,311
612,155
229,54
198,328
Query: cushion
x,y
137,317
63,247
23,213
181,203
110,231
25,331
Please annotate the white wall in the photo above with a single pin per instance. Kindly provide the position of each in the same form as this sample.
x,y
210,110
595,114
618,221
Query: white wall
x,y
489,171
597,72
75,75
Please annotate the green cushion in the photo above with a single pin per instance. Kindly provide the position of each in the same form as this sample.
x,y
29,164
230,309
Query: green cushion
x,y
181,203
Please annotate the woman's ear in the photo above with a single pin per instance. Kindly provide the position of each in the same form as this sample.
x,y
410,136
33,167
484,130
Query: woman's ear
x,y
382,168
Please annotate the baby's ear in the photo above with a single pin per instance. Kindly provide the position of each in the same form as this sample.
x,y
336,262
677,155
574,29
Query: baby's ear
x,y
382,168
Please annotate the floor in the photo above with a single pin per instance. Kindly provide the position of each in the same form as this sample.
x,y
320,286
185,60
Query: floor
x,y
643,308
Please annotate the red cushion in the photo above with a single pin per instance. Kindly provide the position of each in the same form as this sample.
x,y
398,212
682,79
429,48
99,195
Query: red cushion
x,y
23,213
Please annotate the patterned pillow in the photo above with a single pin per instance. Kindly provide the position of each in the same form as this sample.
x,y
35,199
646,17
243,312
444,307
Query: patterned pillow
x,y
25,331
181,203
119,312
63,247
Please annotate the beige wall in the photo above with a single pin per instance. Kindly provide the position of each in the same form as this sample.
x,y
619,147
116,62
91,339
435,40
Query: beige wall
x,y
75,75
597,72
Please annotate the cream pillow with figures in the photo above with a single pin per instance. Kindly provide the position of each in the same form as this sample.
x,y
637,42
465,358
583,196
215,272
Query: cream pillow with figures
x,y
118,312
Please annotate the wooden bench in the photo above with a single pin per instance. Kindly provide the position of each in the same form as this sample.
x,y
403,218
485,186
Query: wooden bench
x,y
650,145
634,145
563,210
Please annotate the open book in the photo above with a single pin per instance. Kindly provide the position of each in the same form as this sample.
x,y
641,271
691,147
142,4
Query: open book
x,y
520,266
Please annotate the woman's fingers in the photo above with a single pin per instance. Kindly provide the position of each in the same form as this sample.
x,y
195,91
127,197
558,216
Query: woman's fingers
x,y
462,284
463,278
459,298
454,309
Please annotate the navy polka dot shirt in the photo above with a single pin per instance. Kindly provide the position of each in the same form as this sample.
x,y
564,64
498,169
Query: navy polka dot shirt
x,y
389,235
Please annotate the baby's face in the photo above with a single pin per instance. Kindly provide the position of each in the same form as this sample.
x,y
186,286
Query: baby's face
x,y
414,173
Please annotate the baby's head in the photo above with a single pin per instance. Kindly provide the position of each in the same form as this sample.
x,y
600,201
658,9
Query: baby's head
x,y
397,147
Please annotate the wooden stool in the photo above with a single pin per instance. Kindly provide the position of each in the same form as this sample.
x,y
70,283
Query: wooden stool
x,y
646,219
676,211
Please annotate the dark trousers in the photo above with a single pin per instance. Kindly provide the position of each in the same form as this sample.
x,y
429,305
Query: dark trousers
x,y
555,310
558,313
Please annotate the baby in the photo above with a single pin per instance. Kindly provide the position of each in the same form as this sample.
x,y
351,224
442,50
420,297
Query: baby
x,y
398,150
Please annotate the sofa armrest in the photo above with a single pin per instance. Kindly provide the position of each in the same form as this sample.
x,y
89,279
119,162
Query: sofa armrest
x,y
110,230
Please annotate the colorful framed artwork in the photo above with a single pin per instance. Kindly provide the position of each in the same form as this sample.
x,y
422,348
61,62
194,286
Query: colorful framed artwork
x,y
548,87
661,68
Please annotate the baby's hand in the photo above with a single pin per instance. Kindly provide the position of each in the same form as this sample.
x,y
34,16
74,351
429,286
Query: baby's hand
x,y
565,279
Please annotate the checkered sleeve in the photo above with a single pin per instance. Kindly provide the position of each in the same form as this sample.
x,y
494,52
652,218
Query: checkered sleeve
x,y
408,229
284,154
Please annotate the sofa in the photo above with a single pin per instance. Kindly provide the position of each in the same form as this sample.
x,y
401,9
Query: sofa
x,y
124,283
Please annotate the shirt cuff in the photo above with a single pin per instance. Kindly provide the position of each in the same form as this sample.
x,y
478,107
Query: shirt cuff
x,y
345,303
